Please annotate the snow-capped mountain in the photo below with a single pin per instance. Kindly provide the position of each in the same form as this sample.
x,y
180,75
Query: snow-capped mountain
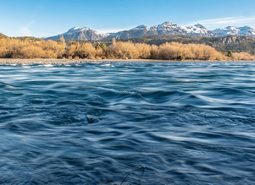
x,y
81,34
235,31
164,29
137,32
198,30
168,28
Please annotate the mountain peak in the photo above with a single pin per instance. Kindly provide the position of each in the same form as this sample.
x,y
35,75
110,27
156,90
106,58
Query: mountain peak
x,y
140,27
167,23
200,26
246,27
232,30
80,34
76,28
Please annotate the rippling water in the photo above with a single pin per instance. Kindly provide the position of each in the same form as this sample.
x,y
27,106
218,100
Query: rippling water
x,y
128,123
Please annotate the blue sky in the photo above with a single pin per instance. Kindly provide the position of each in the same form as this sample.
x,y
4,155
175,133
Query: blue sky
x,y
49,17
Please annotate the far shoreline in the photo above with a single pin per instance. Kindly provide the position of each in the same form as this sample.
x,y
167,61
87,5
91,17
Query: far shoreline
x,y
12,61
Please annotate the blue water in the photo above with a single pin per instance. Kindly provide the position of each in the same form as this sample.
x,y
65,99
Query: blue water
x,y
128,123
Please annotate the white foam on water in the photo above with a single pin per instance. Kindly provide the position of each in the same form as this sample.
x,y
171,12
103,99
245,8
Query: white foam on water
x,y
107,65
25,66
47,65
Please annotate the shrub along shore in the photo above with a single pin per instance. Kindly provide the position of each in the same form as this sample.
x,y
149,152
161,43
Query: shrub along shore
x,y
27,48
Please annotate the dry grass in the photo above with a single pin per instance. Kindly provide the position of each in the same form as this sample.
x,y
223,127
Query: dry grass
x,y
31,49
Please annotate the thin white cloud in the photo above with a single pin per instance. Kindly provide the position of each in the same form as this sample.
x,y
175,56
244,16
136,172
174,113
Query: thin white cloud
x,y
227,21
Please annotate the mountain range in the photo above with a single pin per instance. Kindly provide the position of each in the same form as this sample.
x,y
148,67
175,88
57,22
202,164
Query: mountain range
x,y
164,29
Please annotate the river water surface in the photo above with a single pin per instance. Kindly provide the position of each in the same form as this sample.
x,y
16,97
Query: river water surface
x,y
128,123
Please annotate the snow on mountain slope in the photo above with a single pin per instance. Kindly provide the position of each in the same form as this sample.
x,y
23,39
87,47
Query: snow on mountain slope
x,y
164,29
81,34
231,30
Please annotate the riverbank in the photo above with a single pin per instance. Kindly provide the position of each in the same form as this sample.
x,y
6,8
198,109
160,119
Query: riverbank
x,y
79,61
65,61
